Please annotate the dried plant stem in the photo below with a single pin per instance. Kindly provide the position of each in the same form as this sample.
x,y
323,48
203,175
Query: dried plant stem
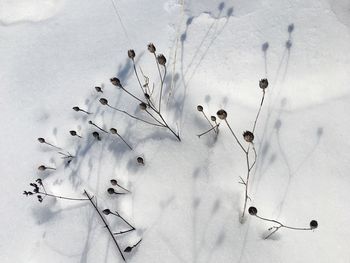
x,y
137,76
234,135
61,197
105,223
258,114
124,141
213,128
58,148
280,225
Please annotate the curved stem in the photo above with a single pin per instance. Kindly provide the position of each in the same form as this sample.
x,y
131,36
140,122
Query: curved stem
x,y
257,115
234,135
62,197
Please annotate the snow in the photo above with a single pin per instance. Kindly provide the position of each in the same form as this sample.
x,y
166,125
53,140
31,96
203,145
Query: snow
x,y
186,200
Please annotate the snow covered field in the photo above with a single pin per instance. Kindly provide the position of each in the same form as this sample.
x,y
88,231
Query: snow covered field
x,y
186,200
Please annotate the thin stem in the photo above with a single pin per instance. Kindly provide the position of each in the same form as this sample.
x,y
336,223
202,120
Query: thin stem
x,y
132,95
161,88
257,115
62,197
85,111
154,117
53,146
106,225
273,232
234,135
167,126
137,76
160,76
134,117
124,141
123,232
98,127
205,116
122,218
213,128
123,188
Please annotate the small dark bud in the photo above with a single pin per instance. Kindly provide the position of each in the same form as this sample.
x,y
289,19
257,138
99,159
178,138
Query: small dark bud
x,y
213,118
161,59
143,106
42,168
128,249
73,133
115,82
96,135
114,182
98,89
151,48
248,136
41,140
147,96
90,122
76,108
222,114
110,191
252,210
113,131
103,101
131,53
313,224
199,108
263,83
140,160
106,212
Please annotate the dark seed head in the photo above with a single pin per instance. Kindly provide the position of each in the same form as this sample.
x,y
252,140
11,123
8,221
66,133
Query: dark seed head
x,y
213,118
73,133
140,160
113,130
143,106
248,136
41,140
147,96
151,48
98,89
96,135
76,108
103,101
128,249
161,59
199,108
90,122
106,211
115,82
42,168
131,53
110,191
252,210
222,114
263,83
114,182
313,224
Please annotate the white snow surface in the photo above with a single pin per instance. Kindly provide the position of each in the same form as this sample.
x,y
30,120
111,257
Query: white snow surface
x,y
186,199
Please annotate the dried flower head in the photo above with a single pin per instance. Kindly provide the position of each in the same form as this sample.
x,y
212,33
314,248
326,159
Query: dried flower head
x,y
98,89
103,101
151,48
113,130
76,108
252,210
199,108
41,140
140,160
263,83
222,114
213,118
96,135
42,168
115,82
143,106
248,136
106,211
161,59
313,224
147,96
131,53
73,133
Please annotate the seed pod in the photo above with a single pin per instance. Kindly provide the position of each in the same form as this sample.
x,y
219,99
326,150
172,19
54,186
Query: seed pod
x,y
151,48
98,89
114,182
115,82
199,108
140,160
113,130
313,224
248,136
222,114
263,83
76,108
147,96
131,53
110,191
42,168
161,59
143,106
103,101
41,140
213,118
252,210
73,133
106,211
